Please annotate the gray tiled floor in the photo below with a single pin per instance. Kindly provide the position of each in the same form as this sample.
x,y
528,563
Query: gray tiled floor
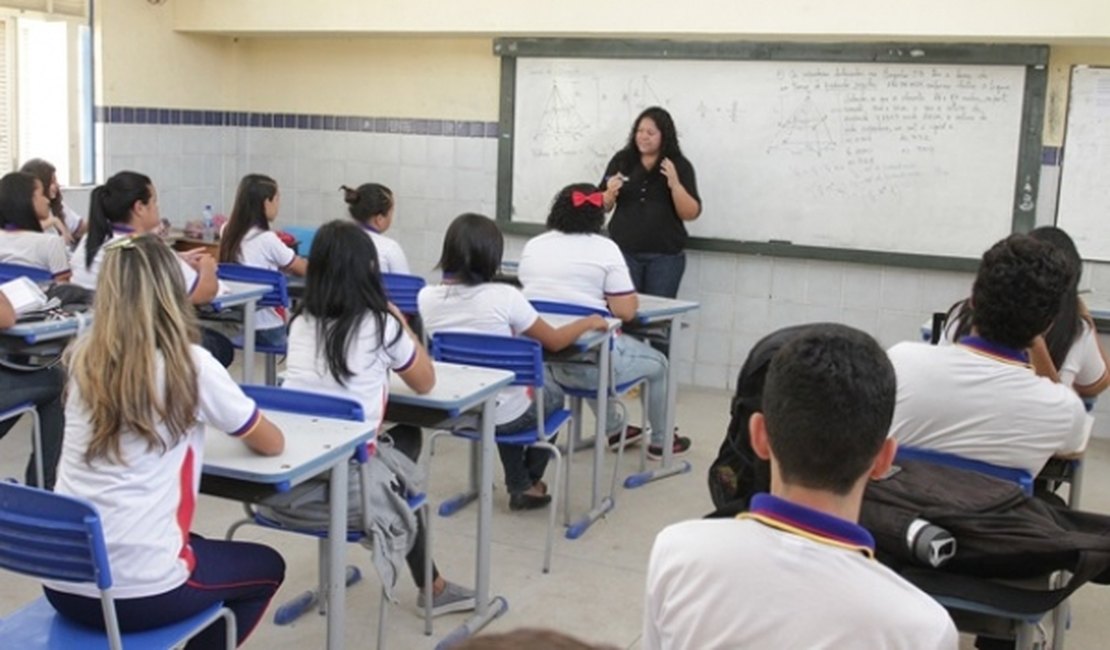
x,y
595,589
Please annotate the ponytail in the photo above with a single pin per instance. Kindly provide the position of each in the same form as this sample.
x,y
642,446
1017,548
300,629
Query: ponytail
x,y
110,204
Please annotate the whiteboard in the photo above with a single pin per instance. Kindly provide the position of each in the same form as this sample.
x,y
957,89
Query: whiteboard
x,y
1084,205
912,158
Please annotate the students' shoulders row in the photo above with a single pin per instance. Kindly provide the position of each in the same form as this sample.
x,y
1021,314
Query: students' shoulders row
x,y
36,249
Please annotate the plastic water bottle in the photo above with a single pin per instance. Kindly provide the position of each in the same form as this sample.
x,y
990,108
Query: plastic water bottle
x,y
209,231
929,543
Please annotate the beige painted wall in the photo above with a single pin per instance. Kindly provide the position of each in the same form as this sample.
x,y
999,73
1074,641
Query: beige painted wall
x,y
978,20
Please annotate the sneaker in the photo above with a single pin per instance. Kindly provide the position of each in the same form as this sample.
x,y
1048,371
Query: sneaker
x,y
454,598
681,446
632,435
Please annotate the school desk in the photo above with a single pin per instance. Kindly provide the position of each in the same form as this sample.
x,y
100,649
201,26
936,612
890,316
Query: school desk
x,y
313,445
459,389
247,295
36,332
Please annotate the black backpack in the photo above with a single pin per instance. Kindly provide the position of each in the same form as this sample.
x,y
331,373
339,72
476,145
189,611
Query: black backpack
x,y
738,473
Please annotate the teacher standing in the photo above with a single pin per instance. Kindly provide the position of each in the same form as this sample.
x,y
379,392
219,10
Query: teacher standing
x,y
652,186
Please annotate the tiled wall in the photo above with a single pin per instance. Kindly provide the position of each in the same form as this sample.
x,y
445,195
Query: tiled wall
x,y
438,169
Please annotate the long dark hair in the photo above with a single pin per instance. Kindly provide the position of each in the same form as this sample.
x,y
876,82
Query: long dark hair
x,y
46,173
367,201
668,146
17,206
111,203
248,212
472,249
340,291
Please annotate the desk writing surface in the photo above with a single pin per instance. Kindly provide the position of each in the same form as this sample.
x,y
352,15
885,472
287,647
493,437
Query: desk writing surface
x,y
657,307
312,444
239,292
588,339
47,330
457,387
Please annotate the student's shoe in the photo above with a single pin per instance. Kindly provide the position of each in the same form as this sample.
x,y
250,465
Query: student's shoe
x,y
522,501
454,598
681,446
632,435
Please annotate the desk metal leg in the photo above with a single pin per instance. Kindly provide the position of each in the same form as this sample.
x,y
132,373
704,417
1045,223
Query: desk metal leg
x,y
337,555
248,341
600,505
486,609
669,467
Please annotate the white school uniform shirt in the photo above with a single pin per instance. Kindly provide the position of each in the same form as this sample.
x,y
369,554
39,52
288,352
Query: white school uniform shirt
x,y
1083,364
581,269
962,401
85,276
71,218
36,249
306,364
146,503
265,250
490,308
391,258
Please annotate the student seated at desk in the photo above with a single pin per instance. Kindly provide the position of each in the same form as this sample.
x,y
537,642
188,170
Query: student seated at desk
x,y
1069,352
43,388
469,301
980,398
24,209
248,240
574,263
371,205
344,340
140,394
64,220
125,205
797,571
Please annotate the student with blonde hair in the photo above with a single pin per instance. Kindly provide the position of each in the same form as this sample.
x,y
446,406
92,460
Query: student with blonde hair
x,y
140,396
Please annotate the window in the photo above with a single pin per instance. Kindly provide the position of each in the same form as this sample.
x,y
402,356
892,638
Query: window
x,y
46,108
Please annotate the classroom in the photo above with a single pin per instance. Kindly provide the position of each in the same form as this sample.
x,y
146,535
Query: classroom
x,y
198,93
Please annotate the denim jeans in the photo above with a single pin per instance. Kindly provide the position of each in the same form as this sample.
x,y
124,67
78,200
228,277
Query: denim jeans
x,y
44,389
631,358
274,336
656,274
525,465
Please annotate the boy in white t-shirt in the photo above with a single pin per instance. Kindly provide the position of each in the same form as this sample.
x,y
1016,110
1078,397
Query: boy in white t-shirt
x,y
807,568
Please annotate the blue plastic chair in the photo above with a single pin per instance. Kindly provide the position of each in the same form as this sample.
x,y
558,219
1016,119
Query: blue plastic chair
x,y
56,537
304,236
278,296
272,398
10,271
402,290
28,408
616,391
524,358
1023,625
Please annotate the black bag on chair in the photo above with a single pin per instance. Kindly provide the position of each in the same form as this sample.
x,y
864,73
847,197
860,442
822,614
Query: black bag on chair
x,y
738,473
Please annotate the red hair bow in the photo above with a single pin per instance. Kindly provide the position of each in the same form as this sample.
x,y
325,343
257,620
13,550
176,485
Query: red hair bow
x,y
578,199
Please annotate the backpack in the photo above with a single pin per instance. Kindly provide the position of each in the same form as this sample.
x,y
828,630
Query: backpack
x,y
737,473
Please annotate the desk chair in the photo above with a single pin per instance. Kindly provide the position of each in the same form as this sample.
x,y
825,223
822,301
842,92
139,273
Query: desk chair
x,y
616,391
402,289
10,271
278,296
294,401
36,434
56,537
982,605
523,357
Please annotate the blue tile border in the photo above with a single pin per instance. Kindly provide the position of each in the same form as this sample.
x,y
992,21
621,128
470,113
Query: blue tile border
x,y
1051,156
313,122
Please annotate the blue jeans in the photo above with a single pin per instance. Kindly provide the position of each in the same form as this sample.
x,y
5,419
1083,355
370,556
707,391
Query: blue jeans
x,y
243,575
274,336
631,358
656,274
525,465
44,389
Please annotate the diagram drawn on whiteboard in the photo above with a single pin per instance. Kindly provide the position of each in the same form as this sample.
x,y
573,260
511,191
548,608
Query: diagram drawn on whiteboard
x,y
804,130
562,129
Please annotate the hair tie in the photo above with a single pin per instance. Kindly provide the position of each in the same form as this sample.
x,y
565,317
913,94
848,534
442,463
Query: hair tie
x,y
578,199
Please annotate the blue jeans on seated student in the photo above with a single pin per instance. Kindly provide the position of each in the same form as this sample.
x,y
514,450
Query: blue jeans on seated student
x,y
631,358
274,337
243,575
524,466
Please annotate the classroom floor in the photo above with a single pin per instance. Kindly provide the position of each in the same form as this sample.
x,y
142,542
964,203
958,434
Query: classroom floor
x,y
595,588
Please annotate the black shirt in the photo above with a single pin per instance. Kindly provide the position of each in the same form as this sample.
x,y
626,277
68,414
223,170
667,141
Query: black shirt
x,y
645,220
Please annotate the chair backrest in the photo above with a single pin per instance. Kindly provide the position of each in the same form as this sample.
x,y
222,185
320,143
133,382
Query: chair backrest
x,y
402,289
521,356
278,296
298,401
51,536
1019,476
553,307
10,271
304,236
